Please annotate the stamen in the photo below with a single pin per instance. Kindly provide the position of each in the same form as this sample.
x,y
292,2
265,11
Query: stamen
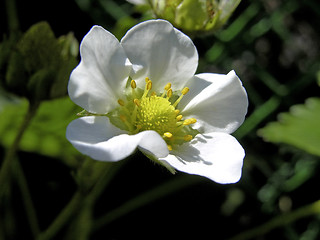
x,y
133,87
136,102
179,117
169,93
134,113
133,84
189,121
151,110
121,102
167,87
187,138
168,134
149,85
184,92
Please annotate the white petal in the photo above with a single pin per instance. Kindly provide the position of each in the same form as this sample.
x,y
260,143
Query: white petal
x,y
217,156
218,102
159,51
151,143
137,2
96,83
99,139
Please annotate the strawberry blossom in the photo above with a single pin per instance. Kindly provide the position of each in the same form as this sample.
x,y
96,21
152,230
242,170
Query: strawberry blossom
x,y
143,93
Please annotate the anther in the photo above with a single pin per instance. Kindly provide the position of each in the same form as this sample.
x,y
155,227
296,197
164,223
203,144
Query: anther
x,y
149,85
189,121
179,117
169,147
187,138
169,93
185,91
177,111
121,102
167,87
136,102
133,84
168,134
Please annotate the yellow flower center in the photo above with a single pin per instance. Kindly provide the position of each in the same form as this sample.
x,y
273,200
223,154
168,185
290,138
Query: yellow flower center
x,y
145,110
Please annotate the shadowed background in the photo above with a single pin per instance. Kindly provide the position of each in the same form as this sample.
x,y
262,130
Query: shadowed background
x,y
272,45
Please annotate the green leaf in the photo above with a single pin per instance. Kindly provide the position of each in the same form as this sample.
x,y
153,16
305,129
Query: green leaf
x,y
300,127
46,133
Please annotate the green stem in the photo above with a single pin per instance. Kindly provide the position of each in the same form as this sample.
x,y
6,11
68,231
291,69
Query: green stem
x,y
279,221
144,199
257,116
5,170
63,217
103,181
26,197
80,203
13,20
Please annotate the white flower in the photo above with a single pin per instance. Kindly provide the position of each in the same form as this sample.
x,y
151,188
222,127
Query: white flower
x,y
142,93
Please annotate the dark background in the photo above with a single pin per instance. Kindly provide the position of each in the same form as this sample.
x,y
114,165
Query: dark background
x,y
274,48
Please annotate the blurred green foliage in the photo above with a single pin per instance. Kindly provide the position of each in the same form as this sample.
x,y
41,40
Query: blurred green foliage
x,y
274,47
38,65
299,128
46,134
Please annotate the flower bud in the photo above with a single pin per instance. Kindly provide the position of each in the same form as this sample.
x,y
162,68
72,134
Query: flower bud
x,y
195,15
38,65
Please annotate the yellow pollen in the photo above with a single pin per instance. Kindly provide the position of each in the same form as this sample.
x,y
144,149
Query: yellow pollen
x,y
189,121
142,110
168,134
